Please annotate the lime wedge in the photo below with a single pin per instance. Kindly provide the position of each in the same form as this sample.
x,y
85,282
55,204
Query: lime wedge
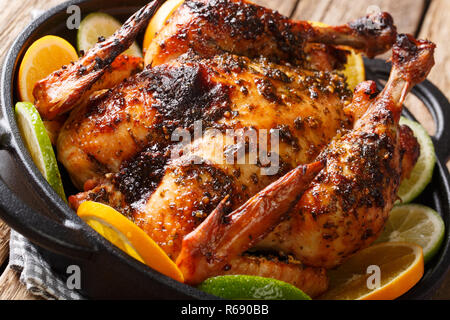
x,y
423,171
251,288
97,25
417,224
38,143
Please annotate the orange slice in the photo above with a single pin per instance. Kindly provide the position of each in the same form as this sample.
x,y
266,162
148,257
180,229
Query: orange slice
x,y
399,266
44,56
354,70
128,237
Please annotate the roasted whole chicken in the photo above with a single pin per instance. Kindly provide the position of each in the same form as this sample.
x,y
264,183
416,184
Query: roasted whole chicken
x,y
230,64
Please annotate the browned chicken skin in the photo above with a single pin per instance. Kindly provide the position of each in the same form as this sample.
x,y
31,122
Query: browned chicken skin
x,y
227,92
348,203
312,281
212,26
235,65
224,236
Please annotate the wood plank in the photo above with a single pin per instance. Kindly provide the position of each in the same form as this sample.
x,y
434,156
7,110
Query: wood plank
x,y
435,28
285,7
335,12
4,242
15,16
12,289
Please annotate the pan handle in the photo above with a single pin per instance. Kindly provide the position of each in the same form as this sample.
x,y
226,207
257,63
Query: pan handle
x,y
61,238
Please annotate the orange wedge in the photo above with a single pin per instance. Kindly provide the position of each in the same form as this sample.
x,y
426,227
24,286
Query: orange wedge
x,y
354,70
128,237
44,56
158,20
400,266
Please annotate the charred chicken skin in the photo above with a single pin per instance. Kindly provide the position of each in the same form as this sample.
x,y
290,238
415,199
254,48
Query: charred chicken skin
x,y
230,64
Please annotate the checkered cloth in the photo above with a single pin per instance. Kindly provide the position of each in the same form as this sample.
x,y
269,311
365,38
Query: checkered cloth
x,y
35,272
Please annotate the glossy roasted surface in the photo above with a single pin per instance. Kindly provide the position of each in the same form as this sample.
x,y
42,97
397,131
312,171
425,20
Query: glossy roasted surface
x,y
225,92
237,26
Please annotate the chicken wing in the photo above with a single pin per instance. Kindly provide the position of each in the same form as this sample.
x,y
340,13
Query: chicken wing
x,y
223,236
63,89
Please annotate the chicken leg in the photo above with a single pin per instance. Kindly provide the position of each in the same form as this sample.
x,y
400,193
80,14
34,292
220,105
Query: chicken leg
x,y
243,28
348,203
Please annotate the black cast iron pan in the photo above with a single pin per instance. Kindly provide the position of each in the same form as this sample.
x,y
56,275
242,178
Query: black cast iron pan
x,y
108,273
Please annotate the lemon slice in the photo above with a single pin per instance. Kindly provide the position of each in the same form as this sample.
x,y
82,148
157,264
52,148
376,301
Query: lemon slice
x,y
423,170
382,272
97,25
251,288
416,224
44,56
128,237
39,145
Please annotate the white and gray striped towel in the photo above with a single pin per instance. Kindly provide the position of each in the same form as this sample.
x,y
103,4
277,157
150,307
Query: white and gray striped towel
x,y
35,272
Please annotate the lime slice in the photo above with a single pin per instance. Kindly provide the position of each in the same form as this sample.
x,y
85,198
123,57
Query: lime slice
x,y
97,25
251,288
38,143
415,224
423,171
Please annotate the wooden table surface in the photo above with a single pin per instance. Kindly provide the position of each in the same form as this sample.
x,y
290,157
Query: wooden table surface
x,y
423,18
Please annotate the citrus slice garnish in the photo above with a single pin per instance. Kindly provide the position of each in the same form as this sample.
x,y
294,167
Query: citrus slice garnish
x,y
44,56
417,224
157,22
39,145
128,237
397,265
422,173
240,287
97,25
354,70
